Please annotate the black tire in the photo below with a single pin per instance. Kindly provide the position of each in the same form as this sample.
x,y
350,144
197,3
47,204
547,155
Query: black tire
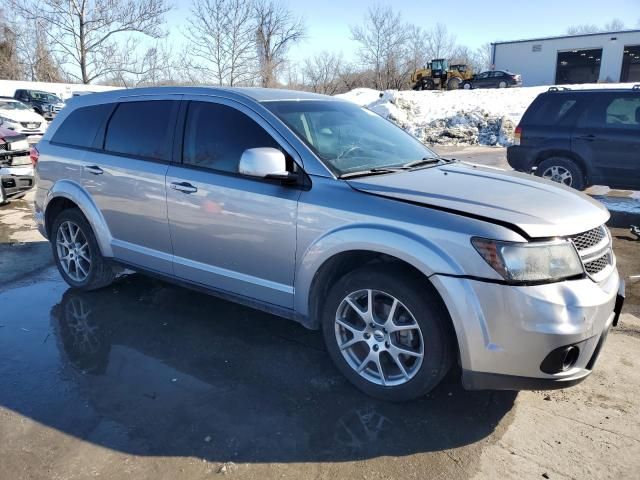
x,y
578,178
428,85
429,313
503,84
467,85
454,83
418,86
101,272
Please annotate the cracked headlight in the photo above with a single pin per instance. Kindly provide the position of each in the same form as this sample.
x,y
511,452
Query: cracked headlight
x,y
530,262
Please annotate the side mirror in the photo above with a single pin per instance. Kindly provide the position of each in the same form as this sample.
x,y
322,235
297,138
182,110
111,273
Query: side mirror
x,y
265,162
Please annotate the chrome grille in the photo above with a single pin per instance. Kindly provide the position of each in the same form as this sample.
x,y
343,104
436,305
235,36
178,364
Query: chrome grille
x,y
589,239
3,146
594,248
31,125
596,266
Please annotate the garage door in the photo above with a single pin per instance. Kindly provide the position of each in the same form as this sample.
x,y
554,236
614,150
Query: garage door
x,y
578,66
631,64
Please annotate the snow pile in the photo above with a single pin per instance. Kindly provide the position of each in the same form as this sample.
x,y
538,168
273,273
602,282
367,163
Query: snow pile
x,y
483,116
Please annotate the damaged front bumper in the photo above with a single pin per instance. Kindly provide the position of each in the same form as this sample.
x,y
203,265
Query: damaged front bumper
x,y
16,173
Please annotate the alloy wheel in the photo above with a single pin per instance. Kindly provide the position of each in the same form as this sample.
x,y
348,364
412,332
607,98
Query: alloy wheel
x,y
73,251
558,174
379,337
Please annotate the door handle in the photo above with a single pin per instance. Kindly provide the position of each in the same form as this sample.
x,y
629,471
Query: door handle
x,y
183,187
94,169
588,138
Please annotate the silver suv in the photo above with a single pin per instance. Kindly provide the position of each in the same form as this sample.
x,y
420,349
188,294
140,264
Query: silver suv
x,y
315,209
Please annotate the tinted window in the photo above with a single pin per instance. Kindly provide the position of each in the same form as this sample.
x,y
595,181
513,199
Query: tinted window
x,y
143,129
612,112
624,112
80,127
551,110
216,135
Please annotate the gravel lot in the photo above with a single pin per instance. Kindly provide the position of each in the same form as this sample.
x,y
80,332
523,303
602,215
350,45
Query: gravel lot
x,y
148,380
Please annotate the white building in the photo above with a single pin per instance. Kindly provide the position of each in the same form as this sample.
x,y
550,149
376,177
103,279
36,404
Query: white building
x,y
587,58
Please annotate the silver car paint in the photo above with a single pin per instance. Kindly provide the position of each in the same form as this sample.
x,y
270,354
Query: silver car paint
x,y
268,243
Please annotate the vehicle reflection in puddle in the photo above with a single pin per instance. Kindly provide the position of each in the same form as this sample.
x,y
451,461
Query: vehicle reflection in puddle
x,y
154,369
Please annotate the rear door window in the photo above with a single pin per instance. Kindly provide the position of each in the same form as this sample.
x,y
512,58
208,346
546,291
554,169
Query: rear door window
x,y
142,129
80,127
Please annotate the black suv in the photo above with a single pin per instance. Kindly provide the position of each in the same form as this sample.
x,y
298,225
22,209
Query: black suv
x,y
46,104
581,138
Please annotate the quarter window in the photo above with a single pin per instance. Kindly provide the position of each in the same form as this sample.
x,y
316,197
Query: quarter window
x,y
142,129
80,127
216,135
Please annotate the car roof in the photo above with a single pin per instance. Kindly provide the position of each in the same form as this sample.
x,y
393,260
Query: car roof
x,y
253,93
568,91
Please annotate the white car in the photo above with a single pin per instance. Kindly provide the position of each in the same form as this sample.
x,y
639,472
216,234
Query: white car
x,y
16,116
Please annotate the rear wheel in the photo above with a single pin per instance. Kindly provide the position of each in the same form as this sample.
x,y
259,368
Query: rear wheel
x,y
467,86
77,254
387,333
562,170
502,84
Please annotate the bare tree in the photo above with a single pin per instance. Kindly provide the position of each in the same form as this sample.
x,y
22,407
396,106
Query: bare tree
x,y
277,29
84,33
9,61
439,42
614,25
417,51
222,42
383,39
484,56
322,73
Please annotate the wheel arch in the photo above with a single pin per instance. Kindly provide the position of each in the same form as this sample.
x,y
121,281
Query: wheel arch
x,y
341,263
67,194
559,152
338,252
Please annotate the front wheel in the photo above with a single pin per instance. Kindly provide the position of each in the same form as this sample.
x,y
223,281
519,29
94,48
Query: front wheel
x,y
388,333
77,254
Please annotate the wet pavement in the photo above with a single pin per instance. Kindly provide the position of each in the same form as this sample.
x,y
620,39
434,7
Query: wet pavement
x,y
147,368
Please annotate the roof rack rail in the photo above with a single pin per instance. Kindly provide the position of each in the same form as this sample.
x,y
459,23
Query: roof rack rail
x,y
558,89
636,87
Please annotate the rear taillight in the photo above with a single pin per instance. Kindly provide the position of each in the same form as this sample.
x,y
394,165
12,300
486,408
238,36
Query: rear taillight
x,y
517,135
34,154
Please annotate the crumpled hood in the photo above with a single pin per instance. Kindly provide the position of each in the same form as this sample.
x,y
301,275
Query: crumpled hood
x,y
538,207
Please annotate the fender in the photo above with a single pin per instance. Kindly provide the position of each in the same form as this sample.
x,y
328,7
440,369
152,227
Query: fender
x,y
425,256
74,192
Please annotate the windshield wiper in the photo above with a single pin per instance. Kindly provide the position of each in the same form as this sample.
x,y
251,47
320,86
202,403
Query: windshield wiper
x,y
426,161
371,171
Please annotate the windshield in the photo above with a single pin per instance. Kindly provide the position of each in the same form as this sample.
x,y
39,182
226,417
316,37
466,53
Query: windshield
x,y
12,105
46,97
347,137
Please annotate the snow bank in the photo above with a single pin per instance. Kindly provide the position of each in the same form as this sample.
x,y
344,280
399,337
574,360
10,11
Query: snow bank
x,y
483,116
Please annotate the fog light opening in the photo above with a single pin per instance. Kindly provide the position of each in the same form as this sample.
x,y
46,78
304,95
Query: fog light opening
x,y
570,357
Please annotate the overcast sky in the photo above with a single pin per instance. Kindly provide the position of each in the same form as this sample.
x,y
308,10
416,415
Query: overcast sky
x,y
473,22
